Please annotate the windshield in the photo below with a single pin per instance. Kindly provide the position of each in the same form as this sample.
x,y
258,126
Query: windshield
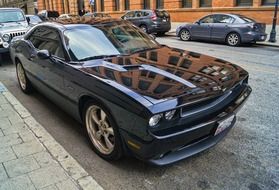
x,y
115,38
35,19
246,19
11,16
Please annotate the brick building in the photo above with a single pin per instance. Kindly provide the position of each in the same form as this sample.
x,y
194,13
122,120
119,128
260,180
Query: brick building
x,y
180,10
28,6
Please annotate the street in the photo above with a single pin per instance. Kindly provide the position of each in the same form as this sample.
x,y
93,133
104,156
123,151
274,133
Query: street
x,y
248,158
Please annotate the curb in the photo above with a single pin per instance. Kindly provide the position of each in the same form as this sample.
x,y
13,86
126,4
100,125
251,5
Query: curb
x,y
73,169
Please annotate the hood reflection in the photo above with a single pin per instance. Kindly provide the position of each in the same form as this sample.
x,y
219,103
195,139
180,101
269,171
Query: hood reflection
x,y
206,76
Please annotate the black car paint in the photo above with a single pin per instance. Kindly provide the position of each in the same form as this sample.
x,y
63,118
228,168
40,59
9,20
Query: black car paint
x,y
70,84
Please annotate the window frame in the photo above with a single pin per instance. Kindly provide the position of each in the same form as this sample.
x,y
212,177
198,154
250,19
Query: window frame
x,y
268,4
61,42
239,3
126,5
184,4
146,4
160,4
205,5
116,5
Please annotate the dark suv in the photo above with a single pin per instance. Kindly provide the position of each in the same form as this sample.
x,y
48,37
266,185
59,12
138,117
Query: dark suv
x,y
150,21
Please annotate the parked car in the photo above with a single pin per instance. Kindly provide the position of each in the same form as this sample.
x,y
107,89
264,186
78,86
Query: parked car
x,y
97,14
47,14
133,95
68,16
150,21
12,23
33,20
232,29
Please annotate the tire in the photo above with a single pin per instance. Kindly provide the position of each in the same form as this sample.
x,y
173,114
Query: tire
x,y
185,35
23,81
144,28
233,39
102,131
161,33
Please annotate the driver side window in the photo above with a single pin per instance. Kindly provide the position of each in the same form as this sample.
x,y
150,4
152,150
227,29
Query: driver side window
x,y
44,38
208,19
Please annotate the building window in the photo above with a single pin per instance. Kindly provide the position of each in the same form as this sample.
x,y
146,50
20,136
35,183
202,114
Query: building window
x,y
127,5
205,3
116,5
146,4
159,4
244,3
102,5
186,3
268,2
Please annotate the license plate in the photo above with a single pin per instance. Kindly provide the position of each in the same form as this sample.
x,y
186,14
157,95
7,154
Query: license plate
x,y
224,125
164,20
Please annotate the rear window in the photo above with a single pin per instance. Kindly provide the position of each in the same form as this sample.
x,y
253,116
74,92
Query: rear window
x,y
162,13
246,19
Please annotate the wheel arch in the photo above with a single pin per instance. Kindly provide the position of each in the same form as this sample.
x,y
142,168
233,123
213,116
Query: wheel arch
x,y
16,60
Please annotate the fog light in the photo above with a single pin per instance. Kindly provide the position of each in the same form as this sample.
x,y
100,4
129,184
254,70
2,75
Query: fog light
x,y
154,120
169,115
6,37
5,44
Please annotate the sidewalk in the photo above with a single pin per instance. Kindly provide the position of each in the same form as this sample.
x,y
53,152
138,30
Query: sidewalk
x,y
174,25
30,158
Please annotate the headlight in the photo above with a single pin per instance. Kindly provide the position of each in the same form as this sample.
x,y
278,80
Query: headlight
x,y
169,115
154,120
6,37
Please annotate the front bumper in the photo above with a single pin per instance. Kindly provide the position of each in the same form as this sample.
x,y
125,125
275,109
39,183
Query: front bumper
x,y
163,150
253,37
3,50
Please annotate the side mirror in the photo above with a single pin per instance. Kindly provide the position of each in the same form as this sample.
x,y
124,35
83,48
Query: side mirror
x,y
43,54
28,20
198,22
152,36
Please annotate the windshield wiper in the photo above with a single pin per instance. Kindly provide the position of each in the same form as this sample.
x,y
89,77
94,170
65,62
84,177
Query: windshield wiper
x,y
98,57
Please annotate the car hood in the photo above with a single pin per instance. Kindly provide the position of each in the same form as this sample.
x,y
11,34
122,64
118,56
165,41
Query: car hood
x,y
166,74
13,26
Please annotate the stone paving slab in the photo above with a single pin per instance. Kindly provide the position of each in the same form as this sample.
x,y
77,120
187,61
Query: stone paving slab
x,y
30,158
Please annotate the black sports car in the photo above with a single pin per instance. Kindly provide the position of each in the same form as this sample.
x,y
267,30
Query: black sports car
x,y
133,95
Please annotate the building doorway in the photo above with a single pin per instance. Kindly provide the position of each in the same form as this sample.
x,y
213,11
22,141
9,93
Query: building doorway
x,y
81,7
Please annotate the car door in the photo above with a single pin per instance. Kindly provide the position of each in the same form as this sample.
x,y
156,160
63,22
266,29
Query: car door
x,y
138,19
49,72
202,28
221,26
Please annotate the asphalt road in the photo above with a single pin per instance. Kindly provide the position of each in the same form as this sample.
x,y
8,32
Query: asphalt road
x,y
248,158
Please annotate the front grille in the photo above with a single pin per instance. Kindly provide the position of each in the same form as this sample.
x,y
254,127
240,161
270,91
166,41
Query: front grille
x,y
14,34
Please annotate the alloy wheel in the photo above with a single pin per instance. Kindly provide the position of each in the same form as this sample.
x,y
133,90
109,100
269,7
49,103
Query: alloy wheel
x,y
100,131
185,35
233,39
21,76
